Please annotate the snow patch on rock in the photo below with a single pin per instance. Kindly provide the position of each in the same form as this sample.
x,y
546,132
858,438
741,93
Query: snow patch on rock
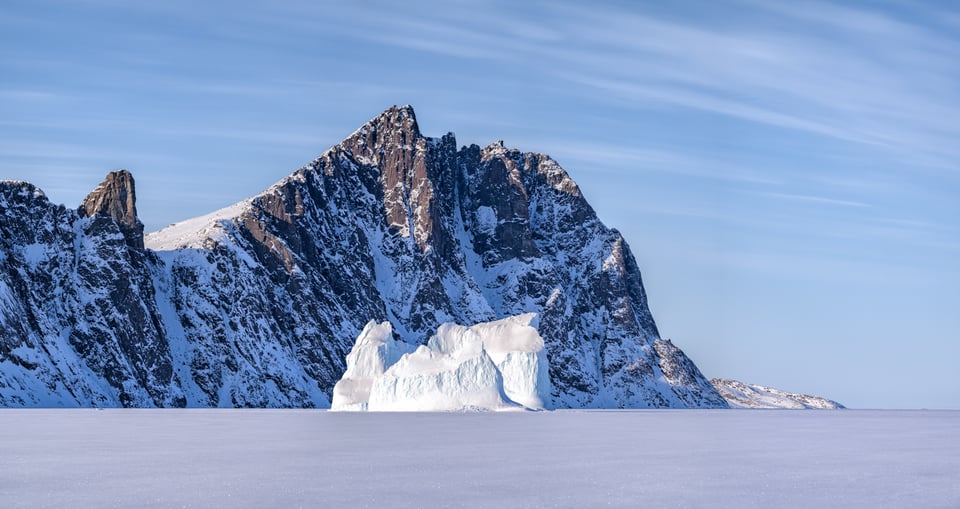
x,y
486,219
742,395
500,365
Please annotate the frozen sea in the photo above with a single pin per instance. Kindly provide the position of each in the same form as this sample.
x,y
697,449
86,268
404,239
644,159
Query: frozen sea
x,y
297,458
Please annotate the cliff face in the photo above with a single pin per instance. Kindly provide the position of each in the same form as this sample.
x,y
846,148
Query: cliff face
x,y
259,303
116,198
79,323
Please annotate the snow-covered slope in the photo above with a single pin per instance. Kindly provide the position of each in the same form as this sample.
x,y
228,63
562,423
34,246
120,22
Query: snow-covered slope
x,y
741,395
79,321
491,366
259,303
199,232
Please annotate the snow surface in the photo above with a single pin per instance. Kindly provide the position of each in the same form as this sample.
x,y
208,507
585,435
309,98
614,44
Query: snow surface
x,y
486,219
498,365
196,232
741,395
652,458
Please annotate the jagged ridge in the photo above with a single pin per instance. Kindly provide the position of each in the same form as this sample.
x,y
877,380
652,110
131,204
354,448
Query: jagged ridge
x,y
258,304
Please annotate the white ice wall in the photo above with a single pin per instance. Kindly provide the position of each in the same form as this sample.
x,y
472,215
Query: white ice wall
x,y
374,351
496,365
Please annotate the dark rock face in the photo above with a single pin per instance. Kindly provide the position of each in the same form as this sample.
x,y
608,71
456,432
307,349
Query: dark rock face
x,y
78,317
116,198
259,303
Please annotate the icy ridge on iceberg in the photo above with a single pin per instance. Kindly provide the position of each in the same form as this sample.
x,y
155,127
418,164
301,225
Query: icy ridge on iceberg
x,y
498,365
374,351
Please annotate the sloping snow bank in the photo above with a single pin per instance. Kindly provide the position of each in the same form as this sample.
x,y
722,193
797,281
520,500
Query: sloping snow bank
x,y
498,365
741,395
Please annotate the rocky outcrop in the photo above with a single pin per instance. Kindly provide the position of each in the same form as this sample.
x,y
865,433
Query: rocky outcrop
x,y
741,395
258,304
116,198
79,323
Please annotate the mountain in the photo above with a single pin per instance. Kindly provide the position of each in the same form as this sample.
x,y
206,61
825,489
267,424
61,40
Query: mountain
x,y
258,304
79,320
741,395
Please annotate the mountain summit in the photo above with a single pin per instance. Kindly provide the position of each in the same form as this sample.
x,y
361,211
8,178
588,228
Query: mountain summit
x,y
258,304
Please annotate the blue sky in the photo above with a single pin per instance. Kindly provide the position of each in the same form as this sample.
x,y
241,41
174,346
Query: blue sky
x,y
787,173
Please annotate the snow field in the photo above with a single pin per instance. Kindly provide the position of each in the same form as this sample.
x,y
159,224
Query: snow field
x,y
309,458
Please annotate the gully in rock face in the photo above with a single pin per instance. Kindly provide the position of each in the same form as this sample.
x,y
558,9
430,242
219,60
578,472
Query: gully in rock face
x,y
258,304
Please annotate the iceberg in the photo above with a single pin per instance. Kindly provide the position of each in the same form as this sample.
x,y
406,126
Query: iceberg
x,y
499,365
374,351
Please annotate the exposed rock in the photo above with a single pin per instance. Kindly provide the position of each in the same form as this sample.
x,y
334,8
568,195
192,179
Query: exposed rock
x,y
258,304
741,395
79,323
116,197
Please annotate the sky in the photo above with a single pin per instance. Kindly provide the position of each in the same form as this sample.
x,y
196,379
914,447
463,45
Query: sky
x,y
786,173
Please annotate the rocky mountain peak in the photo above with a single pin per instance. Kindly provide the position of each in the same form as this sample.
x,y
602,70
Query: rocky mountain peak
x,y
394,129
259,303
409,167
18,190
116,197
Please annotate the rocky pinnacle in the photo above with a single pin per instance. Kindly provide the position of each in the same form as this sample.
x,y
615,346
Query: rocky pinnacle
x,y
116,197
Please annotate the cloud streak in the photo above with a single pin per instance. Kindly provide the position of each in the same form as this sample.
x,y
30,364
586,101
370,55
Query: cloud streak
x,y
821,200
846,73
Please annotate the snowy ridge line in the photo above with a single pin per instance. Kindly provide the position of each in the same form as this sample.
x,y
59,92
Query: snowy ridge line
x,y
261,303
197,231
194,232
742,395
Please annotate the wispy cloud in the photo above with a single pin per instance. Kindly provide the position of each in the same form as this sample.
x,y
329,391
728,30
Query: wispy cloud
x,y
848,73
632,93
20,150
823,200
28,95
620,158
